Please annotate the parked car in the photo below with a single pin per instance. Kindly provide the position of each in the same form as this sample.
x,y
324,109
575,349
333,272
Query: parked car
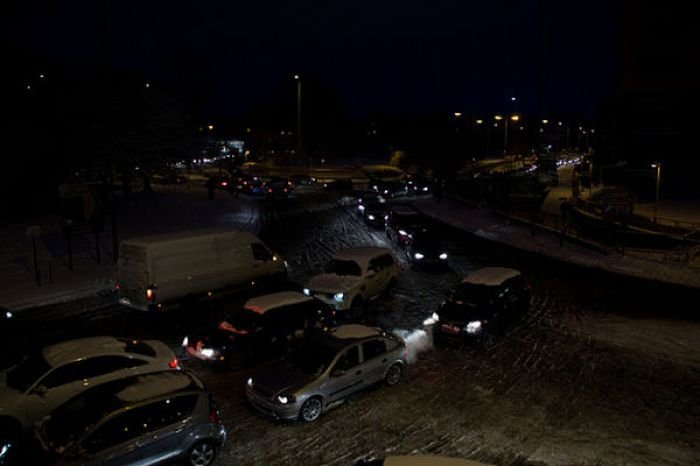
x,y
373,213
365,197
221,182
277,188
154,272
261,329
353,277
418,185
303,180
427,248
326,368
389,189
401,221
483,306
146,420
46,378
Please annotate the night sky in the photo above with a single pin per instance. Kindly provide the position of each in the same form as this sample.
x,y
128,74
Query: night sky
x,y
389,56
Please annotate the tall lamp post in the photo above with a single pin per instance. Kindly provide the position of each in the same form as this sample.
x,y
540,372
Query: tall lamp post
x,y
297,78
657,165
505,130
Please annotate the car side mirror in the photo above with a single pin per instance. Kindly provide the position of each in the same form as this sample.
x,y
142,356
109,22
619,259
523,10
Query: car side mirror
x,y
40,390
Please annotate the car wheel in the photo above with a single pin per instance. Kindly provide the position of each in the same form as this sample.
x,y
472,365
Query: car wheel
x,y
356,308
393,374
202,454
311,409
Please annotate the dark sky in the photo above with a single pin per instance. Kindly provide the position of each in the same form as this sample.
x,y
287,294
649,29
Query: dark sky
x,y
385,55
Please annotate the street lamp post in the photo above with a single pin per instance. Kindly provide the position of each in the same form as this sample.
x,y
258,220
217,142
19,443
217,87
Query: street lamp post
x,y
297,78
658,183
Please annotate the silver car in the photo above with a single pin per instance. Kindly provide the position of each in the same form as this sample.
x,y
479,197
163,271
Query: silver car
x,y
143,420
324,369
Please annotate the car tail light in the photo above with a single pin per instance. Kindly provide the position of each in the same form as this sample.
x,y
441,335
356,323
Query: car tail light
x,y
173,364
149,294
117,287
213,410
224,183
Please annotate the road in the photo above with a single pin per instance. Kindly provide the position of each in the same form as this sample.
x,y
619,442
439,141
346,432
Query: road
x,y
604,371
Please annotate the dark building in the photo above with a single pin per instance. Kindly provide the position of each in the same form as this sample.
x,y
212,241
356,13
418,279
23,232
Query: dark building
x,y
654,114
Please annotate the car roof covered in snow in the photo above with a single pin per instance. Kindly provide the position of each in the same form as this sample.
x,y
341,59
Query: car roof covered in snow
x,y
156,384
72,350
354,332
361,255
262,304
490,276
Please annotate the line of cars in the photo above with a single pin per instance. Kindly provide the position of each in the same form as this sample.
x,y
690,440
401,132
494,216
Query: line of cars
x,y
106,400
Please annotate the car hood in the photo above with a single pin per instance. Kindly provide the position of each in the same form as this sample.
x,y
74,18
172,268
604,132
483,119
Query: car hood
x,y
332,283
280,378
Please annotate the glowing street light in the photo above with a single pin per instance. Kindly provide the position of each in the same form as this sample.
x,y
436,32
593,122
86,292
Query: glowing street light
x,y
479,122
210,127
458,114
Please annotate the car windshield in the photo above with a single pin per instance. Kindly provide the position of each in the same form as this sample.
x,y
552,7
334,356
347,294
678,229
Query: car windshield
x,y
428,242
343,267
28,371
244,319
310,357
475,295
72,419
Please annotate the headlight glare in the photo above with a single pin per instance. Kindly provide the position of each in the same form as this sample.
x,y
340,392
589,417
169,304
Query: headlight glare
x,y
339,297
443,256
473,327
306,291
418,256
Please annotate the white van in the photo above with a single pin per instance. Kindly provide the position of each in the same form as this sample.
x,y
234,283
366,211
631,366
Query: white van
x,y
158,270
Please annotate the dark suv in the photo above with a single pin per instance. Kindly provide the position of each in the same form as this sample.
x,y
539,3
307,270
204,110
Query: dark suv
x,y
147,420
261,329
483,307
401,222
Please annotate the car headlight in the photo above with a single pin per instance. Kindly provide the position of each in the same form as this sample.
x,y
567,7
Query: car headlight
x,y
473,327
361,208
306,291
284,399
443,256
403,233
370,217
432,319
418,256
425,188
250,382
185,341
339,297
208,352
